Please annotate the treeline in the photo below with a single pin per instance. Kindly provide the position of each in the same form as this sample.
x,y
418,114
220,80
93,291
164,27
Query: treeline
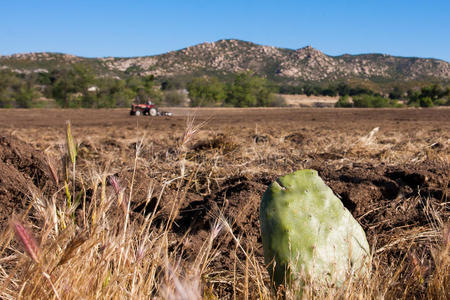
x,y
74,87
428,96
246,90
364,100
331,90
357,96
79,87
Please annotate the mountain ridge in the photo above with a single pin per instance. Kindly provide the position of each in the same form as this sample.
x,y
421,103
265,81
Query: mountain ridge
x,y
221,40
230,56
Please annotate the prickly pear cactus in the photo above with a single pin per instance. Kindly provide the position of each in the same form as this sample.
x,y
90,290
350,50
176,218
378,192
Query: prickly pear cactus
x,y
307,233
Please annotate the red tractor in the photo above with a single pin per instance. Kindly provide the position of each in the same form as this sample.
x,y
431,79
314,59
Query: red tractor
x,y
144,109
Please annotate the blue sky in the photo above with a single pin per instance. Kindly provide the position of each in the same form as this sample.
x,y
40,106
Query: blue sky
x,y
133,28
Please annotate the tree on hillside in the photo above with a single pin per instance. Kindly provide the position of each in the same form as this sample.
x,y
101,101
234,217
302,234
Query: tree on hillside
x,y
7,81
396,93
343,89
249,90
24,96
16,90
144,89
331,91
71,85
434,92
172,84
206,91
429,95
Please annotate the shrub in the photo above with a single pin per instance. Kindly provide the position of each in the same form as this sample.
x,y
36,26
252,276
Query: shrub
x,y
362,101
277,101
174,98
344,101
380,102
372,101
426,102
442,102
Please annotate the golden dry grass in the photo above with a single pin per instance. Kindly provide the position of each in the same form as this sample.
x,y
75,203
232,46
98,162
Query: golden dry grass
x,y
95,246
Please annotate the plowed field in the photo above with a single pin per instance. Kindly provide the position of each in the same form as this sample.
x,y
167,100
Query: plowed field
x,y
390,167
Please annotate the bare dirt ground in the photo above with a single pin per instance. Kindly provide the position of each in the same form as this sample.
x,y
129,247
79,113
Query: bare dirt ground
x,y
222,117
393,179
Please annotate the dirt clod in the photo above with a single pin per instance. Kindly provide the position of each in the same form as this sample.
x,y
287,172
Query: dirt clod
x,y
24,173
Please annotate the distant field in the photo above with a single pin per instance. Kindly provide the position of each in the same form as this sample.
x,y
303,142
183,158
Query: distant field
x,y
218,118
194,182
303,100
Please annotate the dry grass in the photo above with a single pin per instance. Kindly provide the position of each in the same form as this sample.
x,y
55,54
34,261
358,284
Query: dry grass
x,y
90,243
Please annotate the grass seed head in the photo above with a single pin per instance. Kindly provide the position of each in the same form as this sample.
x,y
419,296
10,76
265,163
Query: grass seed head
x,y
26,239
71,147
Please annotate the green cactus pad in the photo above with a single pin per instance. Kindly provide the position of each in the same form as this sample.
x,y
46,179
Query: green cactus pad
x,y
307,233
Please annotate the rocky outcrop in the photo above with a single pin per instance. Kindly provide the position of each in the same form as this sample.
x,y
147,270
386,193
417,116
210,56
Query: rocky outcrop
x,y
232,56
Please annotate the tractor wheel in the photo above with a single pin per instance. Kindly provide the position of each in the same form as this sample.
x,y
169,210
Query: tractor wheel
x,y
153,112
138,113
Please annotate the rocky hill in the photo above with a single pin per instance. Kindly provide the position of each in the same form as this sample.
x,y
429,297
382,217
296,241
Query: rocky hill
x,y
226,57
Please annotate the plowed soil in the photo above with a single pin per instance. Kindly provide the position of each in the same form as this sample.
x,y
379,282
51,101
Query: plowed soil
x,y
391,179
